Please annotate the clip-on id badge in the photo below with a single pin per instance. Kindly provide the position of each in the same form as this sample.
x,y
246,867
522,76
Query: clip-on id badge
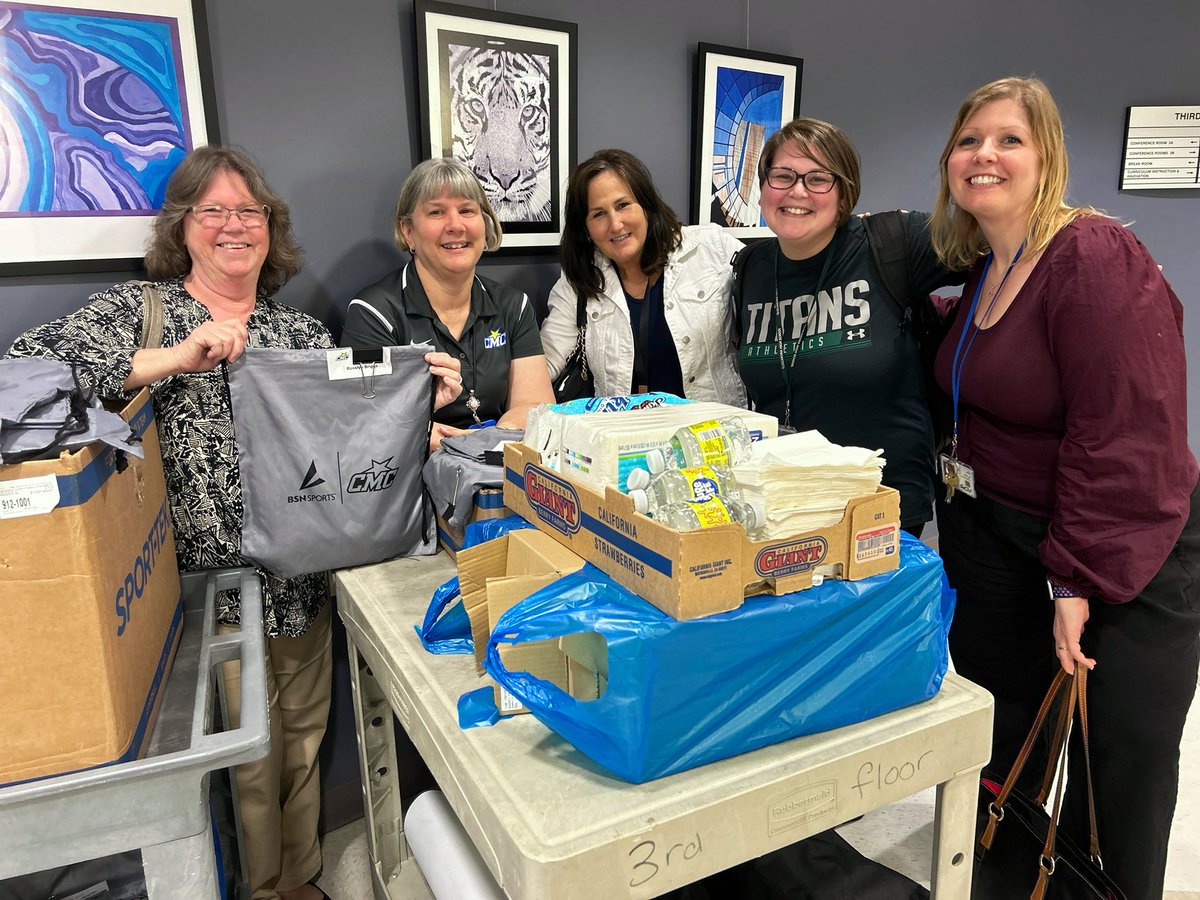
x,y
957,476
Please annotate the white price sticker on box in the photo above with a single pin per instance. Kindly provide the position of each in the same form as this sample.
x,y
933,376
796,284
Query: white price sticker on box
x,y
28,496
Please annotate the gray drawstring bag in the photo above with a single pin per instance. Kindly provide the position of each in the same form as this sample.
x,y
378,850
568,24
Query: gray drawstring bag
x,y
330,448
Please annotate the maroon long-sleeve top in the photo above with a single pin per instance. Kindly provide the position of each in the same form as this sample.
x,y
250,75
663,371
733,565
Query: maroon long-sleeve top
x,y
1073,407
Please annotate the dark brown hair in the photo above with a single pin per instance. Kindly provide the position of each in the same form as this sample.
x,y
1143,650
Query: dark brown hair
x,y
167,255
576,251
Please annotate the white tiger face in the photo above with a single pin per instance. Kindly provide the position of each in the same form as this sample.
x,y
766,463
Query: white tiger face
x,y
500,126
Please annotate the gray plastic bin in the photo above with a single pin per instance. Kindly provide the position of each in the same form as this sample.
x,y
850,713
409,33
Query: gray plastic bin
x,y
159,803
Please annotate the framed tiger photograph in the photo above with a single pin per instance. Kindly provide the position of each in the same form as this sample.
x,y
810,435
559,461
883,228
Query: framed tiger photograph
x,y
498,94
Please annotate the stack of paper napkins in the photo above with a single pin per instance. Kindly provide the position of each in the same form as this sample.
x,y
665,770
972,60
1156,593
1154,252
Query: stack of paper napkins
x,y
803,481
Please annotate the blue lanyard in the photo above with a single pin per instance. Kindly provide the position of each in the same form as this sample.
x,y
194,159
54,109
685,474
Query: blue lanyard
x,y
960,352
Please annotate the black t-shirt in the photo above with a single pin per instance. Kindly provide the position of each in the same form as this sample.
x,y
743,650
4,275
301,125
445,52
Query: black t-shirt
x,y
854,373
501,327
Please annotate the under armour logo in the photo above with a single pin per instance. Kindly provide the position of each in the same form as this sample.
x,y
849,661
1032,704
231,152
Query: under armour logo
x,y
311,480
852,334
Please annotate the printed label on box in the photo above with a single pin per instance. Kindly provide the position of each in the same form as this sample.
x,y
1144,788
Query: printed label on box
x,y
509,703
873,543
28,496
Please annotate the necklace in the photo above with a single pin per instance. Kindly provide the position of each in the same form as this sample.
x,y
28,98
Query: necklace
x,y
786,371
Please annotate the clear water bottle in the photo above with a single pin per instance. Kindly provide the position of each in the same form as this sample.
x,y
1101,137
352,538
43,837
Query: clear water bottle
x,y
692,515
716,442
673,485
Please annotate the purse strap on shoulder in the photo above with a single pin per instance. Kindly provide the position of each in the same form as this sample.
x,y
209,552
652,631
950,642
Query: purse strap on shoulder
x,y
152,316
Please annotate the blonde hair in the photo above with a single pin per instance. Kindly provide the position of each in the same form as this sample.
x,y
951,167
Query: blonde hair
x,y
956,236
428,181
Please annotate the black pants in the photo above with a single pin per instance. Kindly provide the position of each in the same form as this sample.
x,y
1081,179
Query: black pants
x,y
1147,653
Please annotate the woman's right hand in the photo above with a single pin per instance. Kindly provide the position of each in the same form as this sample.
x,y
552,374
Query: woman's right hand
x,y
203,350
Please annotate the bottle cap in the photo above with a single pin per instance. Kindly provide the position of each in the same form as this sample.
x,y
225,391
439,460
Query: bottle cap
x,y
757,515
638,479
641,503
656,462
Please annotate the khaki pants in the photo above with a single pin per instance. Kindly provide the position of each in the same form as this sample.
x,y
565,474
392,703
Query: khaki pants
x,y
279,796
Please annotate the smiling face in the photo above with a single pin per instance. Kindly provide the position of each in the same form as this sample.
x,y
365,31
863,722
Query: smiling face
x,y
803,221
447,235
994,168
616,222
226,257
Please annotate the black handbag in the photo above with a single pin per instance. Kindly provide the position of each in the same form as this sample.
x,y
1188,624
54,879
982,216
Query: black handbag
x,y
575,380
1019,837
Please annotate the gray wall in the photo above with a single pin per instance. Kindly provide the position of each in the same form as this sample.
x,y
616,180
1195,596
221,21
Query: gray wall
x,y
327,103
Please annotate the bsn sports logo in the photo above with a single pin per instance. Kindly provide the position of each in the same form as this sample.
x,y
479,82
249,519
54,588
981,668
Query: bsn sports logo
x,y
555,501
311,480
788,559
495,340
377,477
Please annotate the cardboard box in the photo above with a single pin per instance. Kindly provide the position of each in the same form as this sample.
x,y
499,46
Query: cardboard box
x,y
488,504
689,574
496,575
89,605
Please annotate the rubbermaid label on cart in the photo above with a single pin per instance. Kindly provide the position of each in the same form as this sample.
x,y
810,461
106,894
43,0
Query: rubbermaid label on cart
x,y
797,807
342,366
779,560
873,543
28,496
553,499
509,703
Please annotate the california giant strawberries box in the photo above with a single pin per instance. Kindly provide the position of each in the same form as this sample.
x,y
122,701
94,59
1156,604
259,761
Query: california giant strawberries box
x,y
689,574
89,605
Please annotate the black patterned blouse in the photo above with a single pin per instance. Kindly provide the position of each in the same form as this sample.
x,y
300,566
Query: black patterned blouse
x,y
195,427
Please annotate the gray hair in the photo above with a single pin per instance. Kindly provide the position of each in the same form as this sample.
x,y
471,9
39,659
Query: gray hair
x,y
429,180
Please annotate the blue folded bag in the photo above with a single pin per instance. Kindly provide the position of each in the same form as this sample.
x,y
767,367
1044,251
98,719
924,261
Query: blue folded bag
x,y
681,694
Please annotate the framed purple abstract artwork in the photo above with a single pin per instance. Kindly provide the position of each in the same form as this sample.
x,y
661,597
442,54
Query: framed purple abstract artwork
x,y
99,102
742,98
498,93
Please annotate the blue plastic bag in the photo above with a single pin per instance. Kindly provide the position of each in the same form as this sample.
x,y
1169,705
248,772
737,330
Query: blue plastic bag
x,y
446,628
681,694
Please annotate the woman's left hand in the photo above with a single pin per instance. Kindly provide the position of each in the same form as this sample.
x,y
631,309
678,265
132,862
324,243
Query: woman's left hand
x,y
448,372
1070,615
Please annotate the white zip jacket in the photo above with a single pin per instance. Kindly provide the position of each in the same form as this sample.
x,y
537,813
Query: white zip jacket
x,y
696,287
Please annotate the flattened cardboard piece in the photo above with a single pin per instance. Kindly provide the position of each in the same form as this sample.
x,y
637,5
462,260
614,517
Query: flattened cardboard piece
x,y
89,608
690,574
494,576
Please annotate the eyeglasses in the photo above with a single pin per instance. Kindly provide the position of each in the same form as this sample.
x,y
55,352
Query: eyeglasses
x,y
212,216
815,182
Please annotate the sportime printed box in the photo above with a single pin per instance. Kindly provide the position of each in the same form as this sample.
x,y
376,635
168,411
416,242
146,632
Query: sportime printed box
x,y
496,575
488,504
90,606
689,574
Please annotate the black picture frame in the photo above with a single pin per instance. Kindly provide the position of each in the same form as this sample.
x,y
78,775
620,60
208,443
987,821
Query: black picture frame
x,y
469,57
741,98
103,226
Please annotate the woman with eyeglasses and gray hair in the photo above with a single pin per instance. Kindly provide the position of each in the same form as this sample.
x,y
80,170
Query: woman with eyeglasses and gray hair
x,y
824,345
444,219
221,247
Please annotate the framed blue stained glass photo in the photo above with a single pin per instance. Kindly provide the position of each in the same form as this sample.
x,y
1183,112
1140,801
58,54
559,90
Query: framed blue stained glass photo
x,y
99,102
741,98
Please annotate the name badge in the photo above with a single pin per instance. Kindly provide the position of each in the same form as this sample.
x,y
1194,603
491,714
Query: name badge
x,y
957,476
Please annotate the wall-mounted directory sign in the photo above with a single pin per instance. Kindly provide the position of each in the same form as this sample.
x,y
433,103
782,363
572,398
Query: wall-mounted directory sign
x,y
1162,148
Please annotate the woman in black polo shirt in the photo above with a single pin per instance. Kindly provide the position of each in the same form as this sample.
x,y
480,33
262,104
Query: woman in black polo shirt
x,y
445,220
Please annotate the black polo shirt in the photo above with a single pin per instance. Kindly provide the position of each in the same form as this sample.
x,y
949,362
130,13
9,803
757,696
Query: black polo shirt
x,y
501,327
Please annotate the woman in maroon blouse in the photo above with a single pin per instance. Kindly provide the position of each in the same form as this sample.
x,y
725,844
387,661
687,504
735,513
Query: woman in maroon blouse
x,y
1070,525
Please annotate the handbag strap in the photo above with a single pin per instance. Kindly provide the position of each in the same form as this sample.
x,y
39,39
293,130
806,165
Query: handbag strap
x,y
581,338
152,316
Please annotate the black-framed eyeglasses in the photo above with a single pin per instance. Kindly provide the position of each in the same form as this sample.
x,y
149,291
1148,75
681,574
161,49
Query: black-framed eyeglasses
x,y
818,181
212,216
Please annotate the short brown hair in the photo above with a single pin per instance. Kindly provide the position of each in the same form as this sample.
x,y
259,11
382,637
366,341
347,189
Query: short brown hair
x,y
166,253
819,141
956,236
428,180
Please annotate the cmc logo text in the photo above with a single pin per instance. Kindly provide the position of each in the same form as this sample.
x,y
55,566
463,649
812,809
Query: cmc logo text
x,y
788,559
555,501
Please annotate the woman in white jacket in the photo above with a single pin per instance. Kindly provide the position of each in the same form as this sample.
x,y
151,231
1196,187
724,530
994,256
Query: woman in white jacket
x,y
656,292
